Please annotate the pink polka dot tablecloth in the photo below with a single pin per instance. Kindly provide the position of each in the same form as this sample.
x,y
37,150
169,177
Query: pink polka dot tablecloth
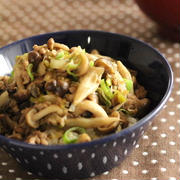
x,y
157,154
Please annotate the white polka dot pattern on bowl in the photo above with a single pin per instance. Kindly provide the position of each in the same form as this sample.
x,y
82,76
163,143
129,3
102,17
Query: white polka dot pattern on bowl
x,y
64,170
49,166
104,160
80,166
156,154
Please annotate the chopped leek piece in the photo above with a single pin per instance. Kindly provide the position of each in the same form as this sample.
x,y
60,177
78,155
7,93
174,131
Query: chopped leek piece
x,y
124,111
46,63
72,134
129,84
11,77
32,99
120,97
91,63
29,71
40,99
60,55
12,74
66,53
70,67
108,82
106,89
103,98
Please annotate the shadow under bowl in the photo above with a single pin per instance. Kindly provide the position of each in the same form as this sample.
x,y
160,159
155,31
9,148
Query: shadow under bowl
x,y
85,160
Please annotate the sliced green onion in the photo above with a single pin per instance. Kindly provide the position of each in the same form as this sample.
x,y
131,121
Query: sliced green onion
x,y
70,67
29,71
105,93
32,100
104,100
46,63
39,99
11,77
124,111
72,134
17,57
91,63
60,55
108,82
12,74
66,53
120,97
129,84
106,89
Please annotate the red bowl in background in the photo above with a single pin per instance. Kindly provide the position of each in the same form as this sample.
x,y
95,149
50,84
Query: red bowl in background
x,y
166,13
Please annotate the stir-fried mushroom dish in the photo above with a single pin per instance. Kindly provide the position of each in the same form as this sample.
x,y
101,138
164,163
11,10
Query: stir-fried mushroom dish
x,y
62,95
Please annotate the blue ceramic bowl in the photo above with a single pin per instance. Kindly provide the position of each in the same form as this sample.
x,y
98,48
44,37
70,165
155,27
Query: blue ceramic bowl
x,y
85,160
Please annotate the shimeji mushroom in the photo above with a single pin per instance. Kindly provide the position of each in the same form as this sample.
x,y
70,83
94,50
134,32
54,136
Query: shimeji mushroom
x,y
88,84
92,107
33,117
90,122
123,70
4,99
84,65
106,64
110,127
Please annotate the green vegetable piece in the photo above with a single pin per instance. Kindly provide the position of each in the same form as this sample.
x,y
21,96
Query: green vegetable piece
x,y
129,84
108,82
83,50
60,55
103,98
124,111
12,74
40,99
91,63
120,97
66,53
72,134
11,77
106,89
29,71
70,67
32,99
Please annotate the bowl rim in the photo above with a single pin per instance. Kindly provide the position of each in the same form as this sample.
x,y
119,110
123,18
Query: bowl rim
x,y
110,137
